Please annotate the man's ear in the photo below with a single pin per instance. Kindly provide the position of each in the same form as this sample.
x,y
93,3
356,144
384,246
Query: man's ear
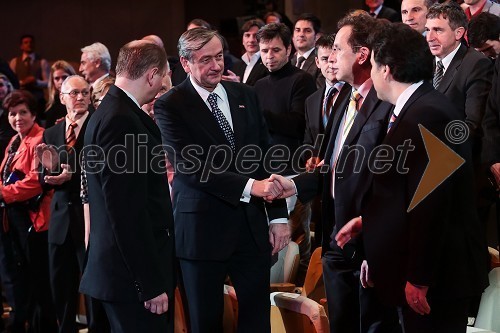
x,y
317,61
364,55
459,33
151,74
61,97
98,62
289,50
185,65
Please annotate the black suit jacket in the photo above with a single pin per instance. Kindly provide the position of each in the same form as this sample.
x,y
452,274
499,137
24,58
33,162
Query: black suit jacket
x,y
352,176
258,71
311,68
491,122
439,243
207,186
131,245
66,206
466,83
314,120
389,14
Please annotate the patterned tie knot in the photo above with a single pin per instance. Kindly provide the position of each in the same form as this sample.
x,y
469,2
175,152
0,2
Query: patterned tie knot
x,y
440,65
300,61
355,96
73,125
212,99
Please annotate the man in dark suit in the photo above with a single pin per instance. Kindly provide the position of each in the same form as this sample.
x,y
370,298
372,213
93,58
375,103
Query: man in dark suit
x,y
305,32
66,232
251,68
425,256
318,110
377,9
221,226
359,124
130,266
464,76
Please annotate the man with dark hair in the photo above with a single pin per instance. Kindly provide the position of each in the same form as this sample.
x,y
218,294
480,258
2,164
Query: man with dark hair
x,y
359,124
130,266
306,30
484,34
472,8
414,247
221,222
377,9
31,69
251,68
414,13
464,76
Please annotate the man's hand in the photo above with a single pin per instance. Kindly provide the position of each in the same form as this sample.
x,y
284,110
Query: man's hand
x,y
286,185
416,298
352,229
265,188
364,277
231,77
48,156
279,236
495,170
60,179
157,305
312,163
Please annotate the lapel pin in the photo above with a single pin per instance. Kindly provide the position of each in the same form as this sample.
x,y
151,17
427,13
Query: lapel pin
x,y
241,106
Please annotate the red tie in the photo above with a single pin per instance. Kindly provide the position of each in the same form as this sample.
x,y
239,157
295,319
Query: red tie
x,y
71,136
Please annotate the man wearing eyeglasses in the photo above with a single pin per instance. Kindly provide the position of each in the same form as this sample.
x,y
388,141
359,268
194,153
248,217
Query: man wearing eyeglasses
x,y
66,232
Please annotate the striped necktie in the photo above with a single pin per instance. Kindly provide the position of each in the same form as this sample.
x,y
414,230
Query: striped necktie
x,y
352,110
327,105
438,75
391,121
71,136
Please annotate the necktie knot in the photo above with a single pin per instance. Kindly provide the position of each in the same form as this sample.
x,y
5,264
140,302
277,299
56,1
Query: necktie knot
x,y
73,125
355,96
300,61
440,65
391,121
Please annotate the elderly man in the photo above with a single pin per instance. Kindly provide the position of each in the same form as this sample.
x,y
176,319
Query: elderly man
x,y
95,63
414,13
130,267
221,223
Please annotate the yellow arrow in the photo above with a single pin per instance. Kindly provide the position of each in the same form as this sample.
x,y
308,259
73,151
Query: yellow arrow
x,y
443,162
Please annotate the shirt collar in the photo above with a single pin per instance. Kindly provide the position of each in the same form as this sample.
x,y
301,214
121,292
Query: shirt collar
x,y
447,60
376,11
253,59
131,97
364,89
306,54
219,90
99,79
405,96
79,122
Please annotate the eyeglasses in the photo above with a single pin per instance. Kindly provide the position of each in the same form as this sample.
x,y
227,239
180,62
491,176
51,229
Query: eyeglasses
x,y
75,93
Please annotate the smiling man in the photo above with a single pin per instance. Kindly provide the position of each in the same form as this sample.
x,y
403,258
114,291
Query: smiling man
x,y
95,63
221,223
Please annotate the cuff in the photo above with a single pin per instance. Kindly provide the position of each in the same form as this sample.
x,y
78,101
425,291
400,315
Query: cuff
x,y
246,196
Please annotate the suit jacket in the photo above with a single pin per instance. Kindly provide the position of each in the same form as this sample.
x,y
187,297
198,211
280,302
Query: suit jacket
x,y
66,206
314,119
352,176
207,186
131,245
26,162
439,243
389,14
491,122
466,83
311,68
258,71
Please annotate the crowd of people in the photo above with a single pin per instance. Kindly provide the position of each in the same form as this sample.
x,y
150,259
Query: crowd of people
x,y
124,183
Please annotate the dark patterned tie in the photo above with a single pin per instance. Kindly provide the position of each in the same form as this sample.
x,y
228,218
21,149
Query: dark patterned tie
x,y
438,75
300,61
391,121
221,119
71,136
327,105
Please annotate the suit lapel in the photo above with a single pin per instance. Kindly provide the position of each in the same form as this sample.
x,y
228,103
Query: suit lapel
x,y
256,72
452,69
339,109
369,105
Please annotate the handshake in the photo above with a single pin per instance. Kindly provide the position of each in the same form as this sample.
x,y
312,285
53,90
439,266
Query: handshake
x,y
274,187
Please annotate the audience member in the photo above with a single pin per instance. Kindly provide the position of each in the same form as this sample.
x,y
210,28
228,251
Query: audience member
x,y
414,13
484,34
306,31
272,17
31,70
228,234
95,63
378,10
100,90
251,68
473,8
6,131
24,267
414,246
130,267
55,111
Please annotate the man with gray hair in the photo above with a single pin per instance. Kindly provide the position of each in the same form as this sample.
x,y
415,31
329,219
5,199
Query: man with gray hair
x,y
221,223
95,63
130,267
